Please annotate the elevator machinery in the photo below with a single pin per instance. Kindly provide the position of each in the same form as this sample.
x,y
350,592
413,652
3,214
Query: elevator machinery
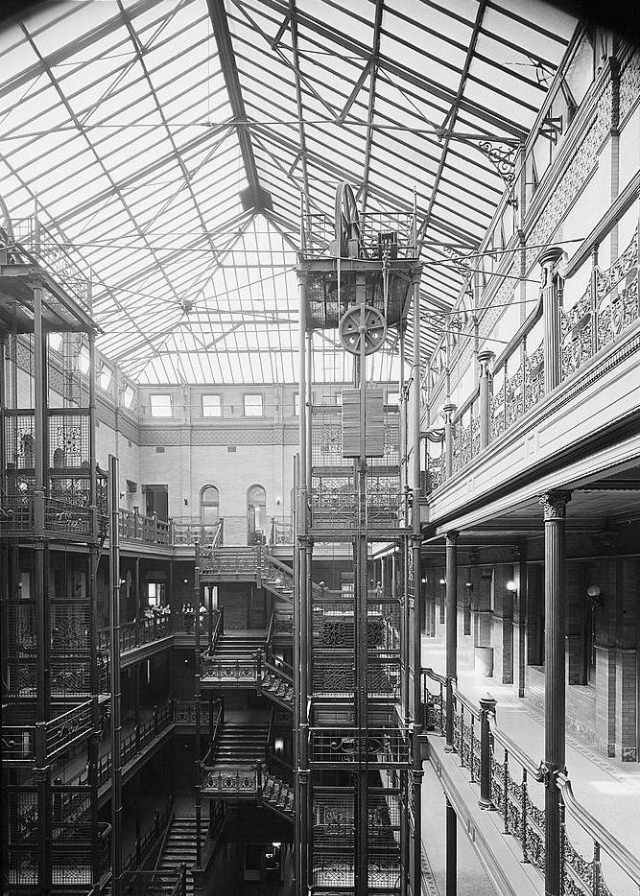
x,y
357,624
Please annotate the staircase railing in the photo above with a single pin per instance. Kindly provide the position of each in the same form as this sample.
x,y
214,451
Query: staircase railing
x,y
492,758
165,833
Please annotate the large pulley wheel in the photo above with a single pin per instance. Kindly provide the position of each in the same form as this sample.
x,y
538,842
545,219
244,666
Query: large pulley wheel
x,y
362,322
347,222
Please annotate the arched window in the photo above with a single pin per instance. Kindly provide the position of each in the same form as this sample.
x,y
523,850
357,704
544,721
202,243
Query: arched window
x,y
209,505
256,514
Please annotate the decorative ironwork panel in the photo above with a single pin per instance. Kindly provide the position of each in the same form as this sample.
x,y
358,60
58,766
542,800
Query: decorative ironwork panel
x,y
20,441
514,403
534,377
68,440
498,421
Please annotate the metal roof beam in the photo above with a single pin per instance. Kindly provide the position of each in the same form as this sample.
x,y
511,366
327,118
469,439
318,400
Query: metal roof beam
x,y
255,198
450,120
377,28
358,49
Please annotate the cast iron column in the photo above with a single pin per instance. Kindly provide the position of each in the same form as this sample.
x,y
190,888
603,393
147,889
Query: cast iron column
x,y
301,605
418,597
521,582
451,672
554,504
115,686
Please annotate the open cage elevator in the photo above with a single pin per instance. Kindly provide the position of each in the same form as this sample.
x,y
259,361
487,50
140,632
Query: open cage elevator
x,y
357,639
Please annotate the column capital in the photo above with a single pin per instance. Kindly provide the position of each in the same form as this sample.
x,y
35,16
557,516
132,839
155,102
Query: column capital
x,y
485,358
554,505
416,274
449,409
451,538
550,256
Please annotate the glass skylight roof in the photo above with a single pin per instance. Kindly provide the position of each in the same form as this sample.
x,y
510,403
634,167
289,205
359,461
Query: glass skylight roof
x,y
166,144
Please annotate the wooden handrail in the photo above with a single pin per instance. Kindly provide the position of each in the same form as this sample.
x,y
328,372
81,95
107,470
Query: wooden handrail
x,y
621,855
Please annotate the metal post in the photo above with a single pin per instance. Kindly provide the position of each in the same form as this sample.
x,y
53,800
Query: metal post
x,y
116,723
451,586
554,505
484,358
302,603
93,482
196,697
418,597
551,291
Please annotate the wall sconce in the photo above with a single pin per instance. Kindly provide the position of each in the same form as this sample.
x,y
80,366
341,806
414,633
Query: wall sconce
x,y
469,587
512,587
443,581
594,593
278,746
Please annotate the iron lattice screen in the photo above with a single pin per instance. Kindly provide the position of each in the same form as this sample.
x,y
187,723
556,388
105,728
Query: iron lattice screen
x,y
20,440
68,440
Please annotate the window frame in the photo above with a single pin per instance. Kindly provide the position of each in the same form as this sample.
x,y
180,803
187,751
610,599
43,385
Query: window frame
x,y
164,395
245,407
206,410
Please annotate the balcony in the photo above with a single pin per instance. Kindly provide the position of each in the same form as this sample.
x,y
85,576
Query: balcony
x,y
558,363
489,769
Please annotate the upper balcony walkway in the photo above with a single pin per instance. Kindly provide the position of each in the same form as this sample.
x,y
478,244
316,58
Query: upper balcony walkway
x,y
607,789
558,405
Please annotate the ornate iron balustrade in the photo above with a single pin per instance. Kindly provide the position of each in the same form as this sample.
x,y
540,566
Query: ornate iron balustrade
x,y
186,530
229,672
72,725
137,633
379,747
238,780
234,563
280,532
143,529
506,784
607,308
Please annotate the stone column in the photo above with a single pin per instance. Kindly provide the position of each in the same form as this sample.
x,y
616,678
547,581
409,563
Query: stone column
x,y
484,359
551,293
451,577
554,505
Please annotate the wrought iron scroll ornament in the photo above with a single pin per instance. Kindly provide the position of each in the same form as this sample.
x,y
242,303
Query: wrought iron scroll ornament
x,y
502,156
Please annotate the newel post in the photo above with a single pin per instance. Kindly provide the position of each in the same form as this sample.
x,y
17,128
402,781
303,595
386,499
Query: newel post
x,y
487,707
485,358
551,296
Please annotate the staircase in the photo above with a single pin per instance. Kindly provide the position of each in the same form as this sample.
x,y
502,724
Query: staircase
x,y
241,744
278,795
242,647
276,685
179,848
